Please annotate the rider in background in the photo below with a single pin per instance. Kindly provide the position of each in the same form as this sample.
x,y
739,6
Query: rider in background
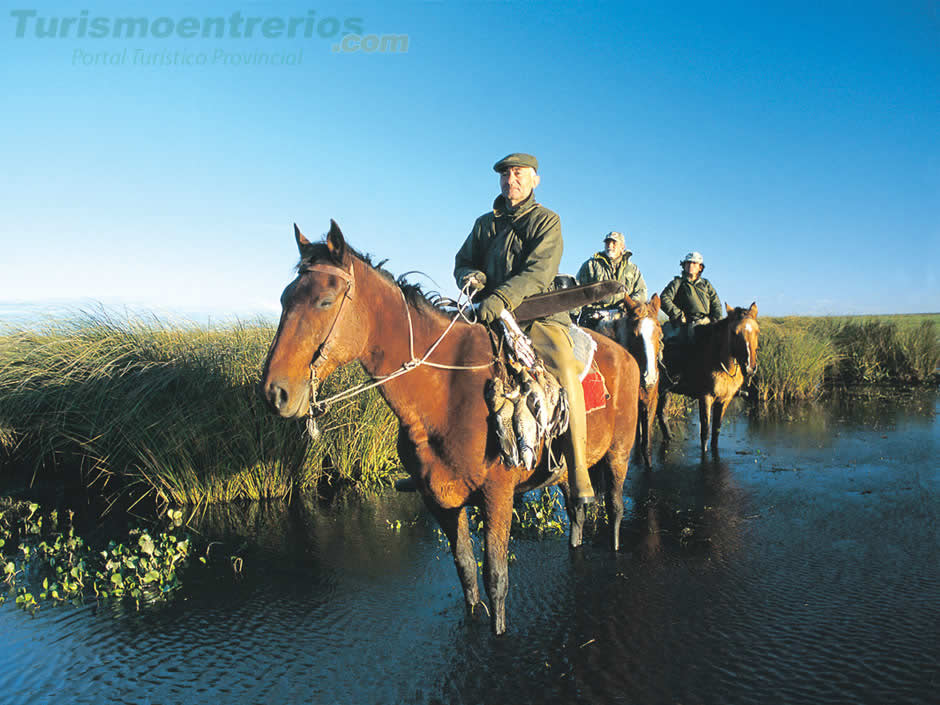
x,y
613,263
689,300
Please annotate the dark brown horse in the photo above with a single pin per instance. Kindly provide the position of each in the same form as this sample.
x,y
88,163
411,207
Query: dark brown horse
x,y
340,308
638,330
714,368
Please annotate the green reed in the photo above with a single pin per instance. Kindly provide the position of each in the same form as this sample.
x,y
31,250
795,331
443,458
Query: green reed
x,y
878,351
792,362
801,357
143,408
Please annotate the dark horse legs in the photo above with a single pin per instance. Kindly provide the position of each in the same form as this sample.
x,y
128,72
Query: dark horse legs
x,y
455,525
710,411
497,509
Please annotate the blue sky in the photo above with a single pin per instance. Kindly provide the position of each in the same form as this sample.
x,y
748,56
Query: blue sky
x,y
796,145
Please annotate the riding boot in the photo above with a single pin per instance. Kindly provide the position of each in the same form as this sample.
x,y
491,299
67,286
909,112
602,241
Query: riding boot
x,y
554,345
575,442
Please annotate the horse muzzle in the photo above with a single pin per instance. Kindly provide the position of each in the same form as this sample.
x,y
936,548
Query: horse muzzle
x,y
283,402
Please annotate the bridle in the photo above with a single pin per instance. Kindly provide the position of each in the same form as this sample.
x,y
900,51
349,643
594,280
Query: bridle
x,y
318,408
323,350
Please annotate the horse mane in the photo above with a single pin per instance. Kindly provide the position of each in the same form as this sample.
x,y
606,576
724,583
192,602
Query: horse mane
x,y
414,294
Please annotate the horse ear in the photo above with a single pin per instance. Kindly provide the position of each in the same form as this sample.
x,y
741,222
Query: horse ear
x,y
335,242
630,303
655,303
752,311
301,240
728,308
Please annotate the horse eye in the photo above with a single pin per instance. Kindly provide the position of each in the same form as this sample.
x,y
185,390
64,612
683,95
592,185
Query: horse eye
x,y
325,303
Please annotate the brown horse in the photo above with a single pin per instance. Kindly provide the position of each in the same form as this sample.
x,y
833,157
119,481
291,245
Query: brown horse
x,y
714,368
340,308
638,330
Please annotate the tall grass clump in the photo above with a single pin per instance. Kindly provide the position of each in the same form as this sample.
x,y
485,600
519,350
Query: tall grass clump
x,y
146,408
793,362
878,351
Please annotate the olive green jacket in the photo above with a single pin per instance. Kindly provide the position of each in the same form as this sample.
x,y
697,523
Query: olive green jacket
x,y
517,249
682,299
599,268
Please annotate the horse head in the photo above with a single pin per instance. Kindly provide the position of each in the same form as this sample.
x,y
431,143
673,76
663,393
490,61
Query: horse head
x,y
744,332
642,334
320,327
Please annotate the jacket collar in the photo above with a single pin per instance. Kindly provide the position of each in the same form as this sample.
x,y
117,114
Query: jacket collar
x,y
624,258
501,207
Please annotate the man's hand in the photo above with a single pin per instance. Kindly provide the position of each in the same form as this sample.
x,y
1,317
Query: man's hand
x,y
490,309
474,282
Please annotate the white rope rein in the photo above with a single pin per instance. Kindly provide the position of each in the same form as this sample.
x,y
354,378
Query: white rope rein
x,y
407,366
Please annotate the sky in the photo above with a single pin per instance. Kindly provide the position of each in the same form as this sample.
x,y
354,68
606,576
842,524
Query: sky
x,y
795,144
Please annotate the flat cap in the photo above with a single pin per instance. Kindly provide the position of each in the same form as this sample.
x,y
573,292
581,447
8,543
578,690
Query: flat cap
x,y
516,159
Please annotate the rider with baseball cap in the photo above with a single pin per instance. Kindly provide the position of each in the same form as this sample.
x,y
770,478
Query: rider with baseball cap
x,y
612,263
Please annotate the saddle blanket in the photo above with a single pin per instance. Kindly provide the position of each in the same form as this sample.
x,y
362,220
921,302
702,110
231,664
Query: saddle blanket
x,y
595,390
592,381
584,348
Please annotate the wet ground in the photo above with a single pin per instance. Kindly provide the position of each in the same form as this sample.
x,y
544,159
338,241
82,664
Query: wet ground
x,y
800,567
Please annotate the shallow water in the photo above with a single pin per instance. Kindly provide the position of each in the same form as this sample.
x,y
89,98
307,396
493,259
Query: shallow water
x,y
801,567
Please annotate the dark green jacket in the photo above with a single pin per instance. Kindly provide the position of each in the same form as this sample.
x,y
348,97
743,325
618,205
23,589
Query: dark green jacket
x,y
682,298
517,249
599,268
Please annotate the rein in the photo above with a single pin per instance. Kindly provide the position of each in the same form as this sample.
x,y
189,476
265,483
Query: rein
x,y
318,408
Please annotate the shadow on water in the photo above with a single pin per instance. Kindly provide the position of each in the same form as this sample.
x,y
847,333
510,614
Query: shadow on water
x,y
800,567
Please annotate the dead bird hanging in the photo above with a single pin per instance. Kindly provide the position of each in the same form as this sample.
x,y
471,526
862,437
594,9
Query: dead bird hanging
x,y
527,405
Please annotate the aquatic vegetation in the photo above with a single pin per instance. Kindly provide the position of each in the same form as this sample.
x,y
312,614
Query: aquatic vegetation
x,y
44,560
141,408
873,351
793,362
144,409
801,358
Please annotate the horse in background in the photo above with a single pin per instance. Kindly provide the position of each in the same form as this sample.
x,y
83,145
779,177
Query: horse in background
x,y
340,308
714,366
639,330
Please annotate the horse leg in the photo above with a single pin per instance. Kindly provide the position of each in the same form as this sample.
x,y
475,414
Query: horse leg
x,y
647,419
718,413
456,527
661,417
497,508
644,426
704,415
576,516
617,471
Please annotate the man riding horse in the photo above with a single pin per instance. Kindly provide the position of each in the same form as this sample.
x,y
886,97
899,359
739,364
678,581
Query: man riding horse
x,y
689,300
611,264
512,252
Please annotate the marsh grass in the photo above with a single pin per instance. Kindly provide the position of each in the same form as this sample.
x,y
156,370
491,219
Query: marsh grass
x,y
878,351
142,408
793,361
800,358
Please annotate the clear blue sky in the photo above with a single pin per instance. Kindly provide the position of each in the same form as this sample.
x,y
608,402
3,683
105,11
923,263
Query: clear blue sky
x,y
795,144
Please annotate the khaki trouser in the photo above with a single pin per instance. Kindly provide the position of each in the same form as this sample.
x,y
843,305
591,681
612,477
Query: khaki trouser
x,y
553,344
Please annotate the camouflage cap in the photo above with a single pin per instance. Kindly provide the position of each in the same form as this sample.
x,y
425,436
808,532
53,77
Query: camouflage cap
x,y
516,159
695,257
616,237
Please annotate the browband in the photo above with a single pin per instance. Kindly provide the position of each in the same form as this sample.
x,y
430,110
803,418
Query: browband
x,y
333,269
